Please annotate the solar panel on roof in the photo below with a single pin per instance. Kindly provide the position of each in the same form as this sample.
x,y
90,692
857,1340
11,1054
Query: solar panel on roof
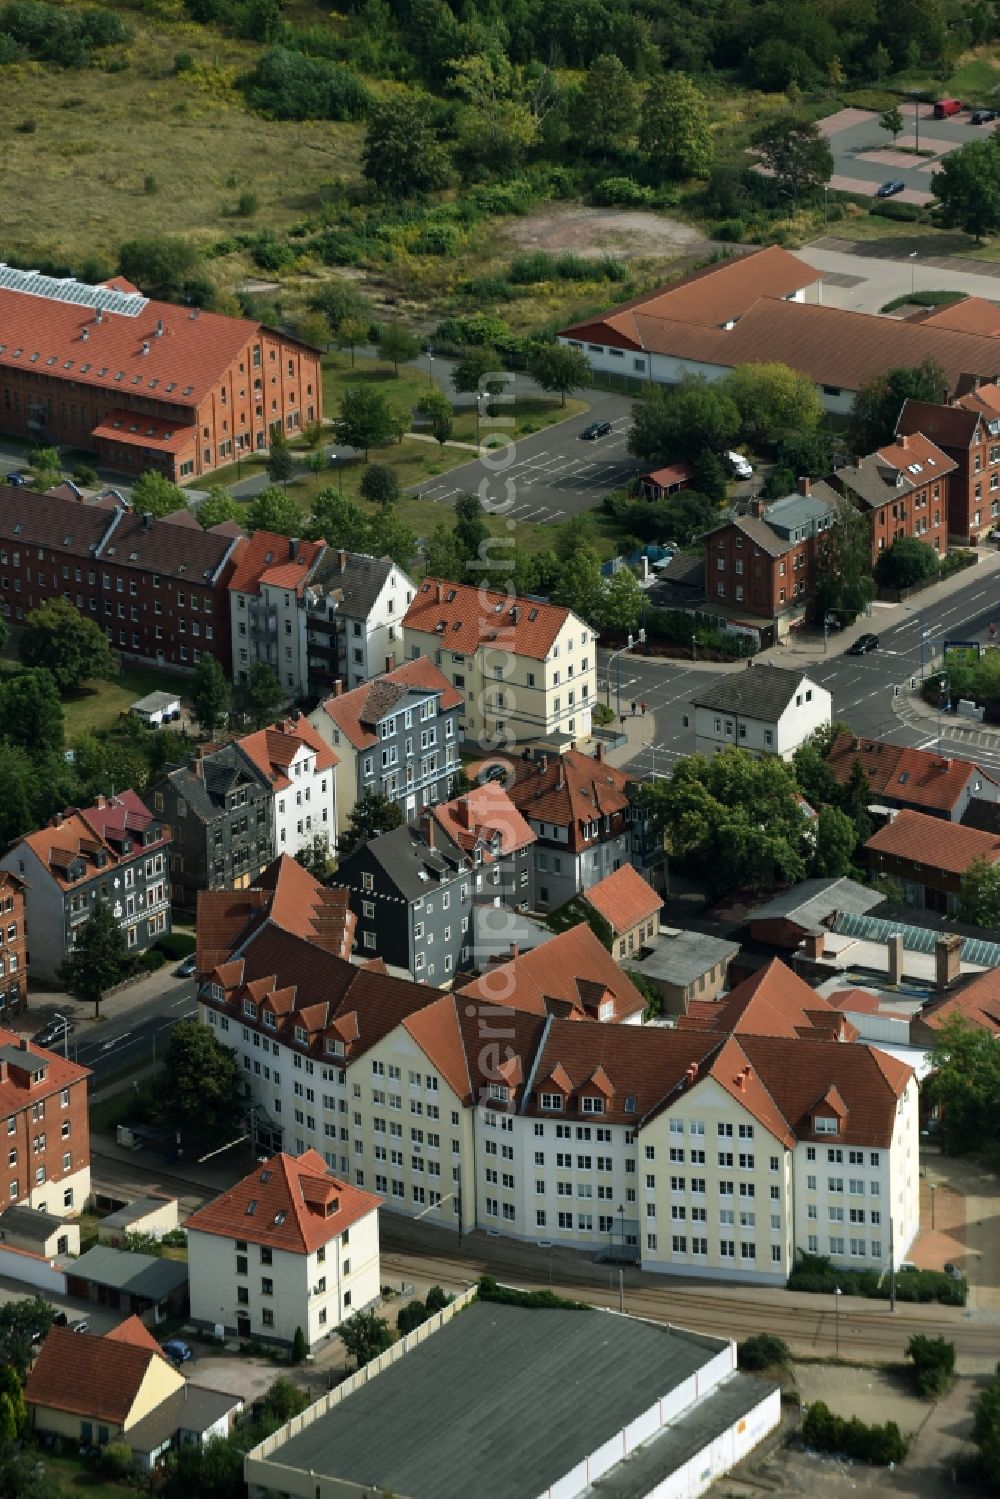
x,y
66,289
915,938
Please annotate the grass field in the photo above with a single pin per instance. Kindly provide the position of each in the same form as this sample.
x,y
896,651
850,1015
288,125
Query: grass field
x,y
76,1477
100,704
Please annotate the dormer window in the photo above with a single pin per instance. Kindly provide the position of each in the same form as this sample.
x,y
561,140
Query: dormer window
x,y
250,1009
552,1102
335,1047
500,1092
270,1020
218,993
301,1035
591,1105
824,1124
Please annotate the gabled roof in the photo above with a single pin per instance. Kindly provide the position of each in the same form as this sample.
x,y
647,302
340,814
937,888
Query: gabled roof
x,y
88,1376
357,713
896,470
273,749
292,1203
568,789
772,1002
763,693
134,1332
204,783
978,1004
811,902
86,838
465,617
21,1060
287,896
624,899
354,579
264,550
570,975
898,773
971,315
482,815
868,1082
412,866
951,426
936,844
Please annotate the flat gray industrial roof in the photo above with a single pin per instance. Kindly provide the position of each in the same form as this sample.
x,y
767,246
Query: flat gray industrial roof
x,y
684,957
502,1401
692,1431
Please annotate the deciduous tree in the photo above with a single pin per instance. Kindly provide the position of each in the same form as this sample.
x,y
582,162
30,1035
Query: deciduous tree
x,y
879,400
796,152
674,132
260,696
437,409
380,485
365,1336
209,695
964,1084
773,398
606,107
273,509
350,332
967,187
98,960
280,463
671,422
199,1090
59,638
909,560
397,344
371,814
31,714
218,506
891,121
558,368
154,494
366,418
844,565
403,153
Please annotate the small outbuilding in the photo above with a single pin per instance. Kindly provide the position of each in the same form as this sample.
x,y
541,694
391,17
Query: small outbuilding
x,y
38,1233
154,1214
152,1288
157,708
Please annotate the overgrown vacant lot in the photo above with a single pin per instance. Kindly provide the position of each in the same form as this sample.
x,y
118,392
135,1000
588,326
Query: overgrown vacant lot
x,y
94,157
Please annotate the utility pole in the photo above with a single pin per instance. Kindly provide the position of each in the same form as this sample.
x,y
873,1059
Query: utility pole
x,y
621,1289
892,1265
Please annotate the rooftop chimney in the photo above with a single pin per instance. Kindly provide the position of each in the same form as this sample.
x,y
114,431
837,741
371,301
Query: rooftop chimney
x,y
84,334
145,347
758,506
438,593
947,959
293,547
895,945
147,520
858,460
159,327
99,315
515,613
427,828
543,763
599,750
514,950
805,486
338,687
342,561
903,440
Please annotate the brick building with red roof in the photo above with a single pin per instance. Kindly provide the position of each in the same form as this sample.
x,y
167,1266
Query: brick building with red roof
x,y
967,428
116,851
146,384
290,1246
43,1097
930,857
920,780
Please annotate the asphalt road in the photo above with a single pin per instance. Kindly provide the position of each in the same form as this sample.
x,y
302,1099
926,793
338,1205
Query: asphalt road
x,y
862,686
129,1040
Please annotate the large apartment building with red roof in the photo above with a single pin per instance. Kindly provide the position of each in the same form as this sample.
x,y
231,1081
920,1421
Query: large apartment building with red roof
x,y
525,670
116,851
967,428
525,1103
146,384
290,1246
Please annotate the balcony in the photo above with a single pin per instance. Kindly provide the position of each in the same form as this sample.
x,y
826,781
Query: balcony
x,y
263,624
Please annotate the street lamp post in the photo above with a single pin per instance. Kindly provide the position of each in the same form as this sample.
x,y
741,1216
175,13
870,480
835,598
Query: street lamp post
x,y
913,271
836,1318
65,1024
616,661
933,1192
430,365
694,647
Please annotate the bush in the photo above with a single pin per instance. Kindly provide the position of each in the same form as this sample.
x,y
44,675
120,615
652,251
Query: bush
x,y
299,1346
175,944
151,960
879,1445
174,1238
508,1296
615,192
437,1299
116,1461
933,1364
183,62
762,1351
289,86
815,1275
85,476
247,205
888,208
602,714
410,1316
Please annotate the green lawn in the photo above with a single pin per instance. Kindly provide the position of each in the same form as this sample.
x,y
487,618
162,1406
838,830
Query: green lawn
x,y
100,704
74,1476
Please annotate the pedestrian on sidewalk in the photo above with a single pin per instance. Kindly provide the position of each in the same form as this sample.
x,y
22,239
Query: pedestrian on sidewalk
x,y
633,707
643,706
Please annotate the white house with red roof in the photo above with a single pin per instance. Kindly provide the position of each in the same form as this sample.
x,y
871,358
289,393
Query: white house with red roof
x,y
526,670
301,770
290,1246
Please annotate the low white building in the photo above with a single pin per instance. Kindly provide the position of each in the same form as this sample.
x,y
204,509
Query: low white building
x,y
301,769
768,710
290,1246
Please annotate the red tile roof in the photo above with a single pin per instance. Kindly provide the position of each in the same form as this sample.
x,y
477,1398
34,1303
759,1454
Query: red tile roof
x,y
948,426
273,749
483,813
88,835
568,789
973,315
292,1203
799,1077
674,473
193,350
624,899
948,847
88,1376
357,713
286,896
774,1001
135,1332
157,432
15,1090
571,974
465,617
917,458
977,1003
903,774
265,550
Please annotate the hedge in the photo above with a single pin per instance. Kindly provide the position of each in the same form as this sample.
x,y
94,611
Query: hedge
x,y
880,1445
151,960
814,1274
175,945
490,1291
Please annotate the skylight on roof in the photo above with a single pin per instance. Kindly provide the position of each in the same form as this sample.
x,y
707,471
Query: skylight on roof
x,y
265,1176
66,289
251,1207
280,1217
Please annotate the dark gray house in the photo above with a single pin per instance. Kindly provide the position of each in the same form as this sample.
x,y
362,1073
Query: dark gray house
x,y
412,892
219,809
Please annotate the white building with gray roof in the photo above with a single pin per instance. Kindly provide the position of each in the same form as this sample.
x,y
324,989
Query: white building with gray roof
x,y
767,710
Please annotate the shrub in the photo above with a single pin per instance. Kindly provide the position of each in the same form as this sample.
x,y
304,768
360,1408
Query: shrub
x,y
888,208
933,1364
299,1347
85,476
436,1299
763,1351
271,253
410,1316
508,1296
176,944
151,960
247,205
815,1275
26,127
183,62
879,1445
437,239
150,186
174,1238
614,192
116,1461
289,86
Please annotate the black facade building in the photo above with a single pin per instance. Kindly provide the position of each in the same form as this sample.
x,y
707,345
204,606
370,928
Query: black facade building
x,y
220,811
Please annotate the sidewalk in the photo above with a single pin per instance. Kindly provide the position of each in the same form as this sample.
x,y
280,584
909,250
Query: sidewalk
x,y
43,1004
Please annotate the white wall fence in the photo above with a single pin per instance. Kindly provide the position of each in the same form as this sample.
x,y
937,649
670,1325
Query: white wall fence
x,y
32,1270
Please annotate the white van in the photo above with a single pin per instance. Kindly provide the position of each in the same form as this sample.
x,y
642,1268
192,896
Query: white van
x,y
738,466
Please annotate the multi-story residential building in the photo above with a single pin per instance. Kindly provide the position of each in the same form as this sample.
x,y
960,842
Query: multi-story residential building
x,y
397,736
289,1247
116,851
764,563
354,607
488,828
930,857
220,810
922,780
631,908
768,710
586,825
968,430
46,1155
157,588
526,670
503,1106
13,945
145,384
903,490
300,768
316,616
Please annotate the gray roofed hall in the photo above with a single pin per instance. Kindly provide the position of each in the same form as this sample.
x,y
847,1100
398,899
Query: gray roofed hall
x,y
682,957
194,1408
811,902
503,1401
762,692
138,1274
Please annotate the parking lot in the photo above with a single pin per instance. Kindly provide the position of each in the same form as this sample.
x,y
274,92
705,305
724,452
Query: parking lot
x,y
864,155
553,474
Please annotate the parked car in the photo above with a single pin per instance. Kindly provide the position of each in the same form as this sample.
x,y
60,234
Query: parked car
x,y
945,107
81,1326
52,1033
494,771
177,1351
890,189
18,480
596,429
983,116
863,645
60,1320
187,968
738,466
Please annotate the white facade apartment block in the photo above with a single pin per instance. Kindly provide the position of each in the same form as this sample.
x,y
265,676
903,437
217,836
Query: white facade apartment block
x,y
375,644
307,807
